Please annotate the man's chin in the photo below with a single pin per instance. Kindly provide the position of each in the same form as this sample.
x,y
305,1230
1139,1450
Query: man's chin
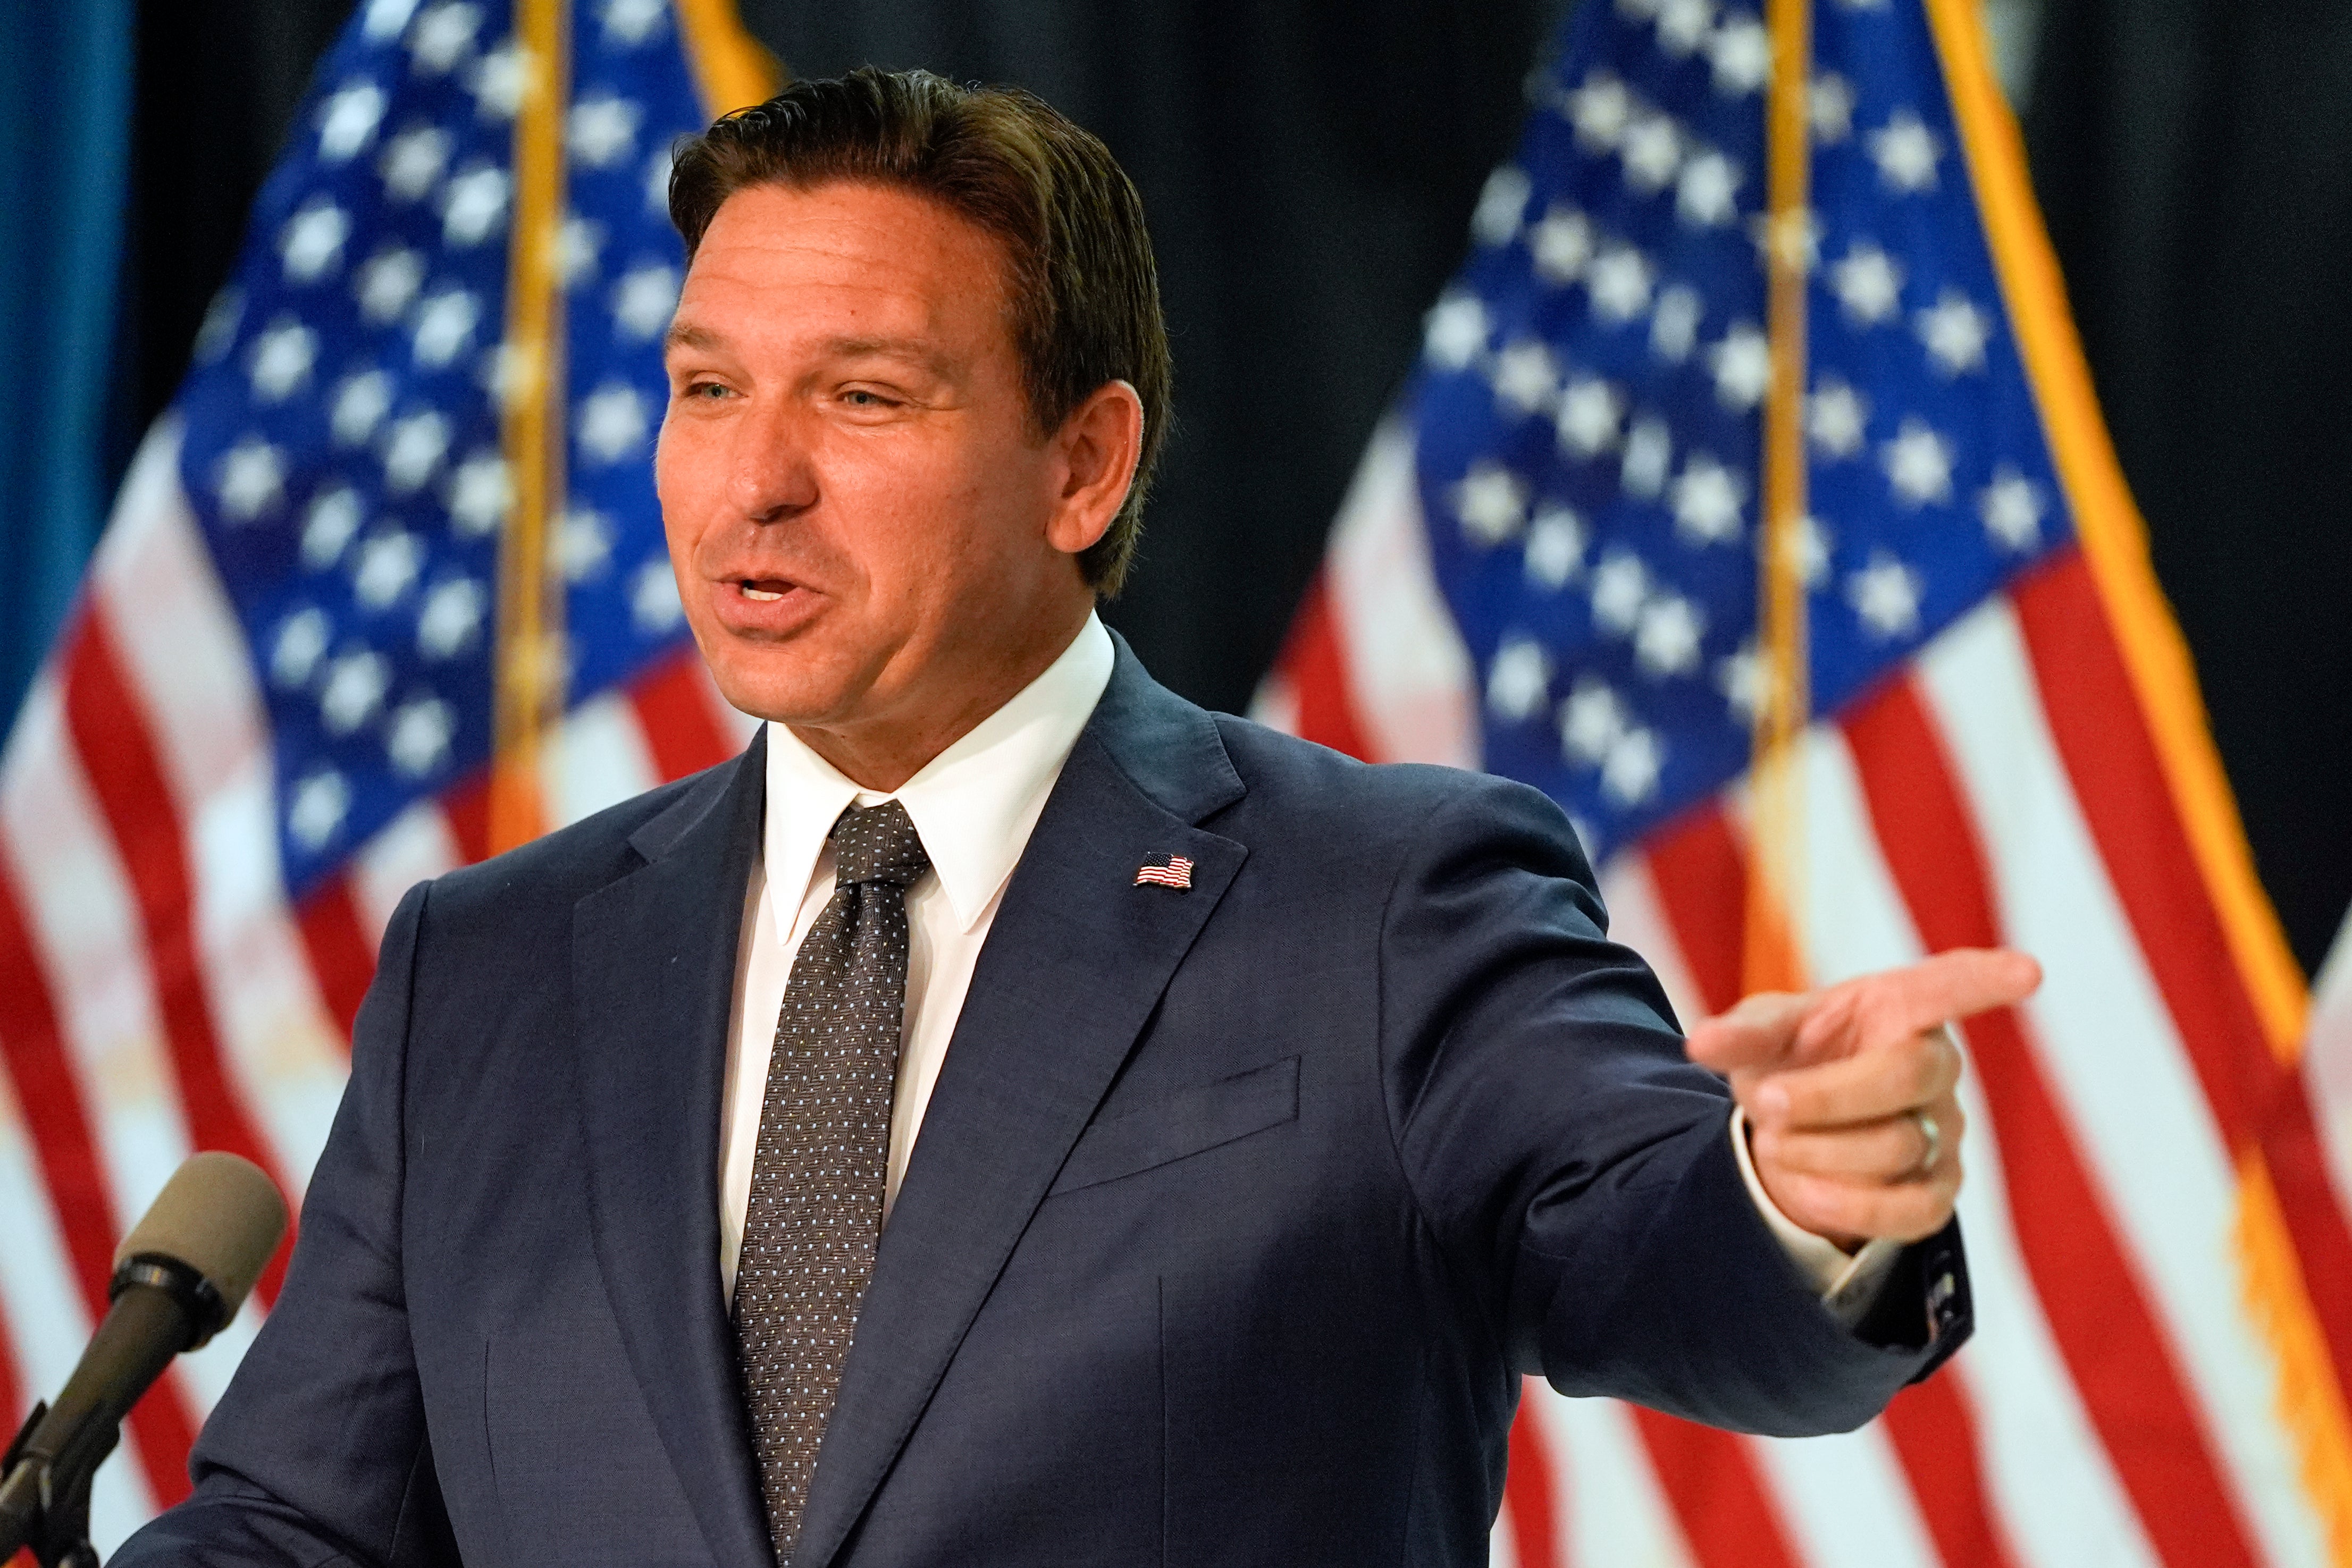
x,y
779,687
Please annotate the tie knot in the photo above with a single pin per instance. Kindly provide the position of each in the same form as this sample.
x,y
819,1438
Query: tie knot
x,y
877,843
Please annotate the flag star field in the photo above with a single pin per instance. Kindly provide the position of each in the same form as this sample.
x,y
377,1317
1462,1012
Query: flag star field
x,y
1590,402
342,427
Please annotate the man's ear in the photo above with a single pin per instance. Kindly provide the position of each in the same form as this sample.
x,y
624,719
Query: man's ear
x,y
1099,445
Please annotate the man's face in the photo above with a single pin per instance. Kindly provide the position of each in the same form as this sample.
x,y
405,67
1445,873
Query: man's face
x,y
856,503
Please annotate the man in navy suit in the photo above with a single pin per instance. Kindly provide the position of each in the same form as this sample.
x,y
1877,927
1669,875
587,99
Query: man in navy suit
x,y
1009,1115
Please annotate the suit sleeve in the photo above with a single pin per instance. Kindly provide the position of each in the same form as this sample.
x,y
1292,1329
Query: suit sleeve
x,y
1575,1166
317,1453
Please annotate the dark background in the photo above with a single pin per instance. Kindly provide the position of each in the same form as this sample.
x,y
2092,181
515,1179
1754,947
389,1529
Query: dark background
x,y
1310,171
2194,160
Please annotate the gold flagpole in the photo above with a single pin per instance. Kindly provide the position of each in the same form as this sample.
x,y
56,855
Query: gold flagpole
x,y
529,673
1772,959
730,65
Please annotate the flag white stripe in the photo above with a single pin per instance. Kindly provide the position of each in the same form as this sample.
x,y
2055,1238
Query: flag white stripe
x,y
1845,1501
1409,673
597,758
1637,918
82,919
1503,1543
2101,1025
1611,1510
2328,1060
2054,1485
47,1319
205,1372
1274,703
184,658
1846,1498
2048,1474
415,846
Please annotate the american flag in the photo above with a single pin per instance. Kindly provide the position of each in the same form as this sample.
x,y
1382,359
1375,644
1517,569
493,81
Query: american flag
x,y
1177,873
1549,567
275,706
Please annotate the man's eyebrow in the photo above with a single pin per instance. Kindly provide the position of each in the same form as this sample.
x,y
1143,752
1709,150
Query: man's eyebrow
x,y
913,351
687,335
910,350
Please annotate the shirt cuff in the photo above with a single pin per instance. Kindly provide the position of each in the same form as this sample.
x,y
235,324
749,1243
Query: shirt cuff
x,y
1848,1284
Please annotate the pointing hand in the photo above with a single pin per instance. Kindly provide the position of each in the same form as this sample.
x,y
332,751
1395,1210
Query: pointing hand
x,y
1853,1121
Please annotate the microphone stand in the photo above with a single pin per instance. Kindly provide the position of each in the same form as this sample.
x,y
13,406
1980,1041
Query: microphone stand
x,y
161,1307
54,1524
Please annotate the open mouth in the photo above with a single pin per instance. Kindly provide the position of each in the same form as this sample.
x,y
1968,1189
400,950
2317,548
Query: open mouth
x,y
763,590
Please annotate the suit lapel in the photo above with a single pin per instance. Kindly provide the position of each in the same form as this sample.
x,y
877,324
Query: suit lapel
x,y
654,971
1074,962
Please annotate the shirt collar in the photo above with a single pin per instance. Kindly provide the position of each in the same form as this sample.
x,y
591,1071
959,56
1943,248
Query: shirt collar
x,y
973,803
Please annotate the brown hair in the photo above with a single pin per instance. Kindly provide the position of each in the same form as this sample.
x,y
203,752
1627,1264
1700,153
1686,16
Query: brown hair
x,y
1083,294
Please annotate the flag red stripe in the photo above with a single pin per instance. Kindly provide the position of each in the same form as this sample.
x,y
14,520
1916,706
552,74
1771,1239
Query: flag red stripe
x,y
1701,871
467,807
2297,1161
1935,1435
340,953
1529,1491
2111,759
108,728
2089,1287
1701,874
1711,1479
57,1122
684,737
1317,666
680,730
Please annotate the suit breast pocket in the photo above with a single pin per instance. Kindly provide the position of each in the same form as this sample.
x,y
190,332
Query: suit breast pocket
x,y
1187,1123
580,1471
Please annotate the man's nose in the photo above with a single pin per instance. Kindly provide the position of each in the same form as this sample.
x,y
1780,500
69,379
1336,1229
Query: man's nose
x,y
772,466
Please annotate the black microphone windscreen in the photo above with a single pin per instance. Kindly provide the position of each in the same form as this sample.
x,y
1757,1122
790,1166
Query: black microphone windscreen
x,y
221,1215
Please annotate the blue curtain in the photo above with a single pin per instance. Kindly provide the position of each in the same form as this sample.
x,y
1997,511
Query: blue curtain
x,y
65,137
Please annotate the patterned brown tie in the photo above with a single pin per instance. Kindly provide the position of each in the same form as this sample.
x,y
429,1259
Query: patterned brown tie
x,y
824,1155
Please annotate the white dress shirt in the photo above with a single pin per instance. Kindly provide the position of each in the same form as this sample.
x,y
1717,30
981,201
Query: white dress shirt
x,y
974,806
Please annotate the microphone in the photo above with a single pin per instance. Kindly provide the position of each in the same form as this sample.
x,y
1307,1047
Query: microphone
x,y
179,1277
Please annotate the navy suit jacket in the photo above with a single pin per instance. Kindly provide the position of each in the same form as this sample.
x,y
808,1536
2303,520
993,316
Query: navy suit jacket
x,y
1236,1215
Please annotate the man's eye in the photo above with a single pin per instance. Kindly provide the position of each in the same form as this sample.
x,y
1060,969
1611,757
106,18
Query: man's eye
x,y
860,398
709,391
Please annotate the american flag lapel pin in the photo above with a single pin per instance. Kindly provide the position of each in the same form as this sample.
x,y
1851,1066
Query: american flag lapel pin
x,y
1177,873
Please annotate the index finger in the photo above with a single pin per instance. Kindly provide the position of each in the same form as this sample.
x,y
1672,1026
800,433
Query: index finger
x,y
1898,1003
